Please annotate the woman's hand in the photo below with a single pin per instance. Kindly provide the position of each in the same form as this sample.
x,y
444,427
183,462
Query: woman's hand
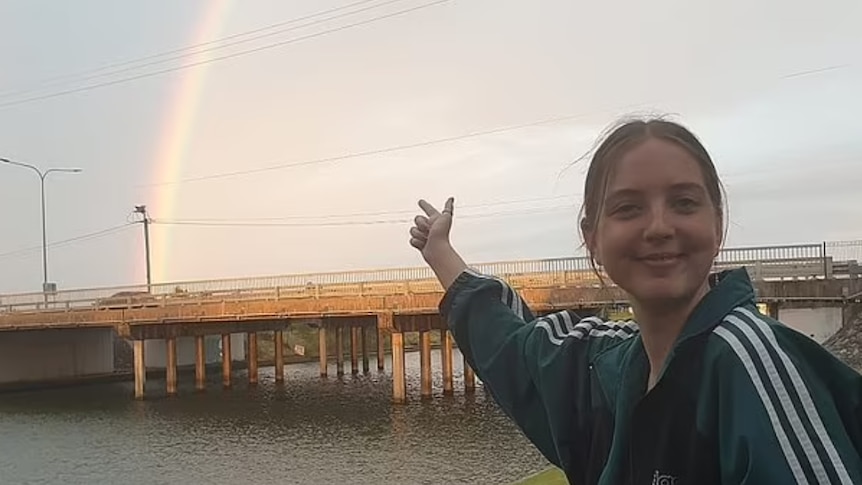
x,y
430,235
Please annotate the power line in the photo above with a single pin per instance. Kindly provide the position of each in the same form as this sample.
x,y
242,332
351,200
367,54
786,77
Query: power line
x,y
83,237
367,214
351,223
181,53
220,58
366,153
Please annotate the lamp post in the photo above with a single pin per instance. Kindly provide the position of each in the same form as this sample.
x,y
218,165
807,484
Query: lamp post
x,y
46,287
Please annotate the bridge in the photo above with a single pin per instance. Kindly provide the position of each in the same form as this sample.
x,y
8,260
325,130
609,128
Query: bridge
x,y
71,333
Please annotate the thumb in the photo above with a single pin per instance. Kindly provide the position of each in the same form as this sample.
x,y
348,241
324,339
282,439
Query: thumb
x,y
449,207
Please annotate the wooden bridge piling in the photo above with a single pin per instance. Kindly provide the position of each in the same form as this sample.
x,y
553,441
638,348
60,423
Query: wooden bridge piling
x,y
425,363
225,361
364,343
446,357
381,348
200,367
399,384
171,365
251,358
140,368
339,350
321,348
469,378
354,347
278,343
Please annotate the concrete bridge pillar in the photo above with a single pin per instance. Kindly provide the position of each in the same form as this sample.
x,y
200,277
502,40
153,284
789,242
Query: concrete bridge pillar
x,y
278,342
354,347
469,378
425,363
171,366
140,368
364,339
381,349
200,363
251,358
339,351
772,309
446,355
399,384
225,360
321,347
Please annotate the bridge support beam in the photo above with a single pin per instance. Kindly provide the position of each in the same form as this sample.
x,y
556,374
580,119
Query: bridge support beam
x,y
200,367
339,351
469,378
364,338
321,348
354,347
225,361
399,384
278,337
171,365
140,368
251,358
381,349
425,363
446,357
772,310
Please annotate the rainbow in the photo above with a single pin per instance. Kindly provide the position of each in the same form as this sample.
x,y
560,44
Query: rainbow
x,y
175,133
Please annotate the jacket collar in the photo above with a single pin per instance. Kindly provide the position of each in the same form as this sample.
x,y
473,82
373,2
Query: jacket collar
x,y
622,368
728,290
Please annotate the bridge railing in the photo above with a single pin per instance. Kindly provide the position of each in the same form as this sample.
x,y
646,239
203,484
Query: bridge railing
x,y
763,263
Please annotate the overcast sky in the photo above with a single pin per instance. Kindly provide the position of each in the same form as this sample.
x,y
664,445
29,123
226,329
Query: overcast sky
x,y
772,88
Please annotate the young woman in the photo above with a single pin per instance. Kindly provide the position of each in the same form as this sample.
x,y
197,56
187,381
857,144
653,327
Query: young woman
x,y
703,389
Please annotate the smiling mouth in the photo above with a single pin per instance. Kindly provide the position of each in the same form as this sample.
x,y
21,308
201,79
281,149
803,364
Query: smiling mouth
x,y
660,258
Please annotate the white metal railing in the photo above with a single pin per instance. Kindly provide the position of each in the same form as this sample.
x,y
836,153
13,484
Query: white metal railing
x,y
823,260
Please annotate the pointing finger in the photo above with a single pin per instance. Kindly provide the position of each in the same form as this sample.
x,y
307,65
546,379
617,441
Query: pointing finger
x,y
428,208
450,206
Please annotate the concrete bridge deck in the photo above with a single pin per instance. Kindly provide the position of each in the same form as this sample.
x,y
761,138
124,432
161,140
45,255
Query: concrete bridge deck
x,y
780,273
390,302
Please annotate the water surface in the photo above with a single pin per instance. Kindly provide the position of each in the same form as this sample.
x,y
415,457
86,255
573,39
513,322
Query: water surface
x,y
308,431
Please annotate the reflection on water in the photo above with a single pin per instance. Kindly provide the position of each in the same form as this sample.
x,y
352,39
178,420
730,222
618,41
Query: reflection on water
x,y
309,431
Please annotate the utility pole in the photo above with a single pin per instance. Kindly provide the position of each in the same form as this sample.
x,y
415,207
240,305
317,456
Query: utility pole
x,y
142,209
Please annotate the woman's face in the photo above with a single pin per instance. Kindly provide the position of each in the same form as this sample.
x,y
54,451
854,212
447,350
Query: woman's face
x,y
658,231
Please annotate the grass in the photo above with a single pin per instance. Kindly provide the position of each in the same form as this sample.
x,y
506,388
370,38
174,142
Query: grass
x,y
551,476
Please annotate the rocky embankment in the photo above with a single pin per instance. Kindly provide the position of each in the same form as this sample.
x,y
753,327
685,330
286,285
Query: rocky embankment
x,y
846,344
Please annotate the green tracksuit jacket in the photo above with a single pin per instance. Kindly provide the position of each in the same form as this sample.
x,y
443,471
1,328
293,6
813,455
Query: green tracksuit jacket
x,y
742,399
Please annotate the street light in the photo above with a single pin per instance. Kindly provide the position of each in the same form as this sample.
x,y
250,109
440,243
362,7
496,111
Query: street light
x,y
46,288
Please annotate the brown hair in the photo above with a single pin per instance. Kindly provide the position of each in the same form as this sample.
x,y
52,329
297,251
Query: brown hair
x,y
624,136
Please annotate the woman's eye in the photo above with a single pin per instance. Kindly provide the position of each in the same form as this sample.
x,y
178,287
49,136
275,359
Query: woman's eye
x,y
625,209
686,204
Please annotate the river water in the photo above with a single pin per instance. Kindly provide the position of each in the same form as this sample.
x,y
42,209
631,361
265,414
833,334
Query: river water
x,y
308,431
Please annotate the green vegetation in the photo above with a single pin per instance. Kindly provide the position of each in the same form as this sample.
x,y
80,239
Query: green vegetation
x,y
551,476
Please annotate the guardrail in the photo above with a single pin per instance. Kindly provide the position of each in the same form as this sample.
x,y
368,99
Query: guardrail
x,y
764,263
